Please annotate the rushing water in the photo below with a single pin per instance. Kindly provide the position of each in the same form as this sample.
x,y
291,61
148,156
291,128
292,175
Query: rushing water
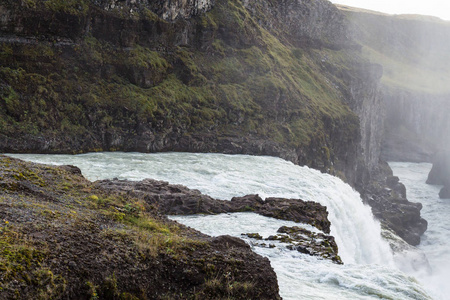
x,y
435,243
369,271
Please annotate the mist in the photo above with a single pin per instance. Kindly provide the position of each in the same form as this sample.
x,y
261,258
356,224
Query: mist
x,y
414,52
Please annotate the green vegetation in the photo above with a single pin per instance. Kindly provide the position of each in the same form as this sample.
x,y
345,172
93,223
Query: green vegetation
x,y
73,7
413,50
62,236
247,83
23,263
411,76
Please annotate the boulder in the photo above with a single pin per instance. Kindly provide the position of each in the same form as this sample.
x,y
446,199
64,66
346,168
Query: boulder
x,y
445,191
387,197
302,240
440,172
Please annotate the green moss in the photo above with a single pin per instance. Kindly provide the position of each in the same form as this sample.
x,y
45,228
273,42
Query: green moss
x,y
11,101
247,82
148,224
109,289
150,16
72,7
6,51
93,198
145,58
22,263
30,4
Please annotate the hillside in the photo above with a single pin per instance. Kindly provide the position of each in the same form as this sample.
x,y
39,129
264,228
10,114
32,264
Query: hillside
x,y
415,54
242,78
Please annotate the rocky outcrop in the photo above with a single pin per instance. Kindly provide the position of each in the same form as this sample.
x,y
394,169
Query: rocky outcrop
x,y
390,205
296,210
307,24
179,200
166,9
63,237
440,173
444,193
301,240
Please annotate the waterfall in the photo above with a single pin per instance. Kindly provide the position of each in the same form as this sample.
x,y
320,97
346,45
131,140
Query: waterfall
x,y
368,270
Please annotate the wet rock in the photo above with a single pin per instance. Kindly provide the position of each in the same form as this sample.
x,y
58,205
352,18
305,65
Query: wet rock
x,y
440,172
179,200
387,198
296,210
255,236
394,183
444,193
304,241
227,241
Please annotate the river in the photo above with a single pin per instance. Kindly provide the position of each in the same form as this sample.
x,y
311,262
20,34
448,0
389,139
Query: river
x,y
370,269
435,242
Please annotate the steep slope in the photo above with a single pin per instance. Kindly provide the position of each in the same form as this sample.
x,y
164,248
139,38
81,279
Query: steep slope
x,y
415,54
240,79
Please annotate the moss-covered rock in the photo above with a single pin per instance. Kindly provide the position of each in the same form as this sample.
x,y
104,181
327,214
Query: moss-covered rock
x,y
62,236
127,78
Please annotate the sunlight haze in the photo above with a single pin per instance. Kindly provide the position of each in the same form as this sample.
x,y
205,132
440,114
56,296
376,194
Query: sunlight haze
x,y
438,8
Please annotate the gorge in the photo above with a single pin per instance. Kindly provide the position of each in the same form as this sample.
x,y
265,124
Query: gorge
x,y
315,84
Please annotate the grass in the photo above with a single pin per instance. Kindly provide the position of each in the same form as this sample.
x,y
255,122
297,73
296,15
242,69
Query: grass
x,y
249,82
62,206
412,49
411,76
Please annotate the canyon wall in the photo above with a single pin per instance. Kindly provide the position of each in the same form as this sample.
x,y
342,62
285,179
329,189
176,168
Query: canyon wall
x,y
244,77
414,52
417,125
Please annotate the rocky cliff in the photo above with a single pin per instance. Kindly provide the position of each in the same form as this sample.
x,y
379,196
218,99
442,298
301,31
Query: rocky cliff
x,y
417,124
282,78
414,52
245,77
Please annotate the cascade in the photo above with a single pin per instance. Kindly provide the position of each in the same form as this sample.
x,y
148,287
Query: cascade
x,y
369,270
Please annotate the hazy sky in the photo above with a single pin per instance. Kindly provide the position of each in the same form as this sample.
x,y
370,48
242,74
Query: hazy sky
x,y
438,8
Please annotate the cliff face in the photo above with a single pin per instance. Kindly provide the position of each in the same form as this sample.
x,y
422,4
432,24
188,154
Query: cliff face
x,y
417,125
246,77
304,24
414,53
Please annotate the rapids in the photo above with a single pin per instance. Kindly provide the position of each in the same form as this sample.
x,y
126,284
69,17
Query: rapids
x,y
435,242
369,270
